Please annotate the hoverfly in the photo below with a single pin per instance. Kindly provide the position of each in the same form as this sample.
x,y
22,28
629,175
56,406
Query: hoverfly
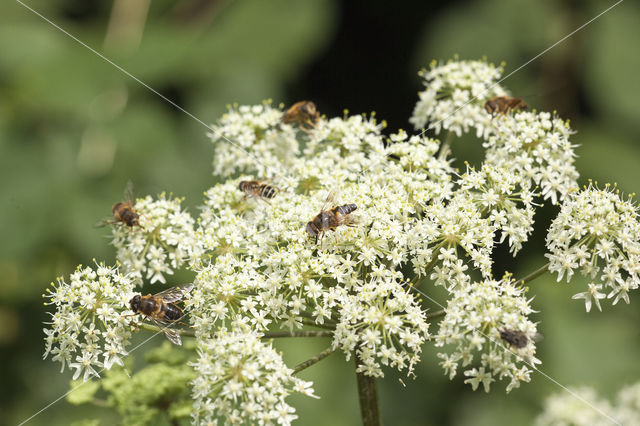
x,y
161,308
504,104
303,113
257,188
518,339
123,211
329,220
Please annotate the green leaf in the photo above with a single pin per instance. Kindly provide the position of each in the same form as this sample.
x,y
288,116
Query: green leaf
x,y
86,422
82,392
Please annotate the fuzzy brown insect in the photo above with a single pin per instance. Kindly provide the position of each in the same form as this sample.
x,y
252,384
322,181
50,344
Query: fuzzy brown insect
x,y
257,188
123,211
504,104
329,220
303,113
161,308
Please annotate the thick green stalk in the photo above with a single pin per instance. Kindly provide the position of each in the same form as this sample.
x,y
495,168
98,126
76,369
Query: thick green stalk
x,y
368,394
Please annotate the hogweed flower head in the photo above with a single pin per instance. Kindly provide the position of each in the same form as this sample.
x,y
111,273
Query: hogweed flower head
x,y
535,146
261,144
164,242
384,324
566,409
243,380
87,330
597,233
473,334
455,95
505,198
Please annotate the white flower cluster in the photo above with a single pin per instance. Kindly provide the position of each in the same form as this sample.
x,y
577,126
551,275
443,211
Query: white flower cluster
x,y
395,212
244,381
165,240
252,138
535,146
266,269
488,319
505,198
597,233
87,329
455,95
383,324
564,409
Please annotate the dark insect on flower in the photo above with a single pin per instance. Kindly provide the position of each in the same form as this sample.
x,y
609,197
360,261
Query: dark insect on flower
x,y
504,104
515,338
161,308
123,212
303,113
329,220
257,188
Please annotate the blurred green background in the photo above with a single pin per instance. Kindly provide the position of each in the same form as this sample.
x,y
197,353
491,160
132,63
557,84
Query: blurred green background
x,y
73,130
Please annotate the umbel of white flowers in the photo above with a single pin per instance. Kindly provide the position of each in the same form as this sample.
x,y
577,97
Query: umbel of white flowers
x,y
419,223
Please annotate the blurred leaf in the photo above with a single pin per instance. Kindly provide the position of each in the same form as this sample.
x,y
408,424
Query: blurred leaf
x,y
94,422
82,392
611,64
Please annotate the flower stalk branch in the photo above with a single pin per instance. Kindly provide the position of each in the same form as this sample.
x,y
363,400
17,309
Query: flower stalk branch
x,y
267,335
308,363
535,274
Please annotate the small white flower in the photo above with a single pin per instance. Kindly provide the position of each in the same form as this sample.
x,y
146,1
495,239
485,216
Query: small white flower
x,y
592,293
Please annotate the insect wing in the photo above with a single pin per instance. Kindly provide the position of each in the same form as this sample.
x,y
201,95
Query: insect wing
x,y
104,222
330,199
128,193
172,335
349,220
174,294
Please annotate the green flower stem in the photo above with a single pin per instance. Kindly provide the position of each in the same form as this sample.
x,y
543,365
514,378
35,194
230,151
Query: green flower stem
x,y
308,363
436,314
301,333
314,324
268,335
368,393
155,329
434,260
445,148
535,274
311,317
